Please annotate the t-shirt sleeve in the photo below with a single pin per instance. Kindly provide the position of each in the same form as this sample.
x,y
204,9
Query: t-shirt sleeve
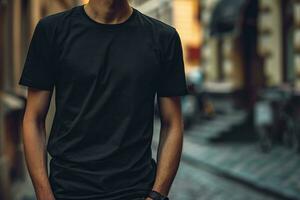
x,y
172,81
37,70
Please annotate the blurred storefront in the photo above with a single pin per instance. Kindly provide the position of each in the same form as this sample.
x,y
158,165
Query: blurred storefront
x,y
184,16
161,10
249,45
229,58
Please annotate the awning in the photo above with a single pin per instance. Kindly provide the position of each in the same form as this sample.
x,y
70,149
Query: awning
x,y
226,17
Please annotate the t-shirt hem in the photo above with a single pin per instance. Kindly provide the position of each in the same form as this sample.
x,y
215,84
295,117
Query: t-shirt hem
x,y
28,83
173,93
137,194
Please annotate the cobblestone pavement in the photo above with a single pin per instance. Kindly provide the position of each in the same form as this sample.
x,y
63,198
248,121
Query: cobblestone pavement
x,y
194,183
277,172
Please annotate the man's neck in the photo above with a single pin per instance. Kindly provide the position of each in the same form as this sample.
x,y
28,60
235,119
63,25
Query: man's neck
x,y
108,11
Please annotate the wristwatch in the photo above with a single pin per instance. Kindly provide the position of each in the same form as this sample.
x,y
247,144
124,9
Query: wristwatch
x,y
157,196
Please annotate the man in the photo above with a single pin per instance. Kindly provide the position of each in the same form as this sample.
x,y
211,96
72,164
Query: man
x,y
107,60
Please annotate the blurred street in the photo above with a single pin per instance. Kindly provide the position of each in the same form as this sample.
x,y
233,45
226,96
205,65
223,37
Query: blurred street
x,y
242,113
233,170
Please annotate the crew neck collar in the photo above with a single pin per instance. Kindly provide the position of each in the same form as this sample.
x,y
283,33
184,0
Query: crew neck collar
x,y
106,25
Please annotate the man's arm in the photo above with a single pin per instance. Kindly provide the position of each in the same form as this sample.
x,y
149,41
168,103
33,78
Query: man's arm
x,y
34,140
170,143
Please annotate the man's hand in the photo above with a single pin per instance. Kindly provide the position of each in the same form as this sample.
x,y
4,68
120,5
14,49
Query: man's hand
x,y
170,143
34,140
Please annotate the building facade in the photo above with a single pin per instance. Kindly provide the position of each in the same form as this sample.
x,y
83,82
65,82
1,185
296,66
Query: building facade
x,y
18,19
262,50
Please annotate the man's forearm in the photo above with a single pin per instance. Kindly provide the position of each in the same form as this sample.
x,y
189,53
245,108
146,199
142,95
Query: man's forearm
x,y
168,156
34,140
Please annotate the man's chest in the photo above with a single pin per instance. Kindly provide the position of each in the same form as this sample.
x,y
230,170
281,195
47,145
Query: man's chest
x,y
118,57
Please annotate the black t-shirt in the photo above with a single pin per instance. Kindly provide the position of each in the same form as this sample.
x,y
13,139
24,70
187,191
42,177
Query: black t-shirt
x,y
105,77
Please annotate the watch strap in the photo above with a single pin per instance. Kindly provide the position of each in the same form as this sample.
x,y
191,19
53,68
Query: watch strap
x,y
157,196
